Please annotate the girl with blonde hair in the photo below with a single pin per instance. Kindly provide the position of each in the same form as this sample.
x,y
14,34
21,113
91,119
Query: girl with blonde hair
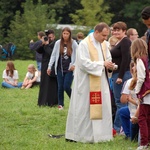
x,y
32,77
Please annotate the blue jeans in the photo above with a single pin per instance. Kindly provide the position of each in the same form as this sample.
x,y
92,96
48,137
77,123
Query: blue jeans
x,y
130,130
39,65
7,85
117,94
64,84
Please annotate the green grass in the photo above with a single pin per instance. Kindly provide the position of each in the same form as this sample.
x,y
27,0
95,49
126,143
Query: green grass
x,y
25,126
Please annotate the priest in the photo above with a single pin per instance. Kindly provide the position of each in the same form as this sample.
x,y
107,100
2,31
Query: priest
x,y
89,116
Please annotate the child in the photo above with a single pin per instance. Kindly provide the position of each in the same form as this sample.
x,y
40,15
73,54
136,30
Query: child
x,y
128,112
10,76
142,89
32,77
112,40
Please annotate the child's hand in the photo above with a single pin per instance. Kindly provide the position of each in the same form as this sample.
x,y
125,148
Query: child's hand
x,y
134,120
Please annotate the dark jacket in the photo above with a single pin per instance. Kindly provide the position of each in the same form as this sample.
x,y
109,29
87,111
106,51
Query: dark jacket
x,y
34,46
121,56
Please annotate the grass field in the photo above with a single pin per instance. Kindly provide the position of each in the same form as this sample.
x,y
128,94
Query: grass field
x,y
25,126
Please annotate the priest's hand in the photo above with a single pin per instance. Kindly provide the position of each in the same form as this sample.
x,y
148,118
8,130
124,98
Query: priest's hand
x,y
109,65
48,72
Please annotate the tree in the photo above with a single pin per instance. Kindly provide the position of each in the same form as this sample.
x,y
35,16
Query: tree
x,y
128,11
63,8
25,26
132,13
7,12
92,13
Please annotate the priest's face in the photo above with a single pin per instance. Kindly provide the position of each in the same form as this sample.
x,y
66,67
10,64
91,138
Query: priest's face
x,y
101,36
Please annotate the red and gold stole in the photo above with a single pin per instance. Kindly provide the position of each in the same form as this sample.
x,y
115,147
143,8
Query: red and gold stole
x,y
95,83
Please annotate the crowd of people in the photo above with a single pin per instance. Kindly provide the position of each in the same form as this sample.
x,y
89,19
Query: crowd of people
x,y
97,66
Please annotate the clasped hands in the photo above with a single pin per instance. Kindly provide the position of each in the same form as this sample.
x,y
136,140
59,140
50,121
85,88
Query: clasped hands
x,y
109,65
112,66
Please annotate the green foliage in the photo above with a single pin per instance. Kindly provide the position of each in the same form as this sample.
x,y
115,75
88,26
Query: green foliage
x,y
63,8
20,20
129,11
134,15
25,27
92,13
25,126
7,12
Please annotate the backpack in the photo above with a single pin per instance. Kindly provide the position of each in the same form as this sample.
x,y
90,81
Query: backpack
x,y
7,51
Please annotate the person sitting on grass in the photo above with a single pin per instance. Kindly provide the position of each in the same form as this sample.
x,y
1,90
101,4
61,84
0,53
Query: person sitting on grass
x,y
10,76
32,77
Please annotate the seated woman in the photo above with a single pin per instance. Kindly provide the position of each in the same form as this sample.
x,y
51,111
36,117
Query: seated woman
x,y
10,76
32,77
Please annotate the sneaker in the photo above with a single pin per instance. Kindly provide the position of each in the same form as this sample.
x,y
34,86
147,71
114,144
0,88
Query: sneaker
x,y
60,107
142,147
121,131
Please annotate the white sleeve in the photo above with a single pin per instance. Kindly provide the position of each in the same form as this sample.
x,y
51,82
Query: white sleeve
x,y
36,74
4,76
86,65
16,74
27,75
141,74
108,54
125,88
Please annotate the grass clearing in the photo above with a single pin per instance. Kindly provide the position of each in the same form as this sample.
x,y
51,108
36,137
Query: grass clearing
x,y
25,126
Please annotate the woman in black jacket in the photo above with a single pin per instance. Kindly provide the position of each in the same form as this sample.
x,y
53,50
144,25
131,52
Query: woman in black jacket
x,y
121,57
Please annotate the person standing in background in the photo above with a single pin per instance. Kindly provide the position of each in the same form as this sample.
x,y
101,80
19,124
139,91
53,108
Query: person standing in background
x,y
63,56
80,37
34,46
145,14
132,34
48,86
120,56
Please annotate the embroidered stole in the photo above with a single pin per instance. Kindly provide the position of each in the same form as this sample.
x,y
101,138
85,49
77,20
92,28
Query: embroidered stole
x,y
95,83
